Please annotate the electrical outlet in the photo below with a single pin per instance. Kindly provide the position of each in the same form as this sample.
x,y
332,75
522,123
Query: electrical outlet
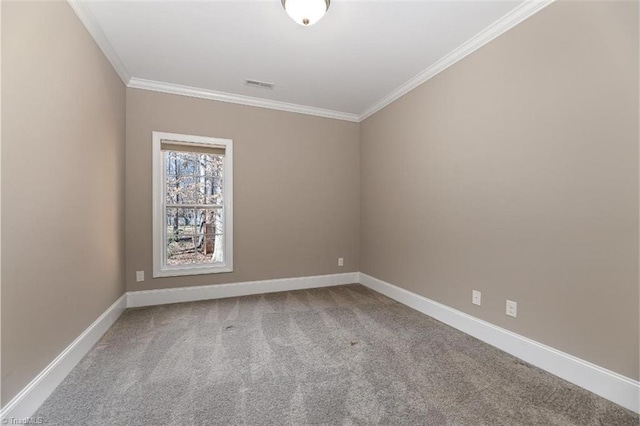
x,y
139,276
512,308
341,261
476,297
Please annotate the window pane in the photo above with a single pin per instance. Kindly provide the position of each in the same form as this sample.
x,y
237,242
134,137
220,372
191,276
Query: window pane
x,y
210,165
179,163
211,191
193,236
187,165
206,164
202,190
172,190
193,178
180,251
180,222
186,190
210,226
177,239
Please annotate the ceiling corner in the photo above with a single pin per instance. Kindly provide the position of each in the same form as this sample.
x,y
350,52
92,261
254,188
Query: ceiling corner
x,y
81,10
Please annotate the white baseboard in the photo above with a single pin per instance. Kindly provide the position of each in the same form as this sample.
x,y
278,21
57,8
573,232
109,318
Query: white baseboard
x,y
612,386
608,384
219,291
38,390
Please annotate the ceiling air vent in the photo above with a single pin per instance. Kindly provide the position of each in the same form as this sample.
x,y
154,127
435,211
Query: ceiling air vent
x,y
260,84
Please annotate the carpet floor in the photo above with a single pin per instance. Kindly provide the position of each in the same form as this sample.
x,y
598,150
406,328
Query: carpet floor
x,y
340,355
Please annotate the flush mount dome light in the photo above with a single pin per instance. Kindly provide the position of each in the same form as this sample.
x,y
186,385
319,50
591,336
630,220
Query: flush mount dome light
x,y
306,12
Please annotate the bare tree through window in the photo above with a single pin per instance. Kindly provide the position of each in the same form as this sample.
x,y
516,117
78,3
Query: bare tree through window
x,y
193,207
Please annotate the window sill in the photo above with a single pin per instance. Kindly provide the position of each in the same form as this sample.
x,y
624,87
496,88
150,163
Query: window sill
x,y
192,270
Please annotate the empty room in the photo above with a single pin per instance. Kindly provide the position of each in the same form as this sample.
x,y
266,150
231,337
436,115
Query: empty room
x,y
320,212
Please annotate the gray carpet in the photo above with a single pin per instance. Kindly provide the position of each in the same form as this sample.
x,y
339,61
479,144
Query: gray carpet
x,y
340,355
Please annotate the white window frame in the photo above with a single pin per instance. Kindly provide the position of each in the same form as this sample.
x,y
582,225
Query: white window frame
x,y
160,269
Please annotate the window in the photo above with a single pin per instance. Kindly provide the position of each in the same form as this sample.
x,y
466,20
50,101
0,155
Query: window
x,y
193,205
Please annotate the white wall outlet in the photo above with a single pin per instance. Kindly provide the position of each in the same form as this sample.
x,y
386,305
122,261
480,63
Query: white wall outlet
x,y
341,261
476,297
512,308
139,276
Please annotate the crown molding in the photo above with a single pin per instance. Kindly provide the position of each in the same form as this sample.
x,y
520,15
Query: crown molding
x,y
508,21
83,12
91,24
195,92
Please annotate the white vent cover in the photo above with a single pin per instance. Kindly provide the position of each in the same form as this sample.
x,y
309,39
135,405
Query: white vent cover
x,y
260,84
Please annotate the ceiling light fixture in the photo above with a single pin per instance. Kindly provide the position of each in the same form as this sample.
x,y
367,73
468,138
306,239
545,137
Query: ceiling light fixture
x,y
306,12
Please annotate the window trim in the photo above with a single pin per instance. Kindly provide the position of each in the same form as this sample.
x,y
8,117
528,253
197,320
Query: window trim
x,y
158,176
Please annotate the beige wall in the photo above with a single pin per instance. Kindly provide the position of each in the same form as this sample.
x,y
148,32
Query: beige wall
x,y
515,172
296,183
62,186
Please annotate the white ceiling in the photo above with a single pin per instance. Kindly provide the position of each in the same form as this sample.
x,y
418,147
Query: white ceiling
x,y
360,52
